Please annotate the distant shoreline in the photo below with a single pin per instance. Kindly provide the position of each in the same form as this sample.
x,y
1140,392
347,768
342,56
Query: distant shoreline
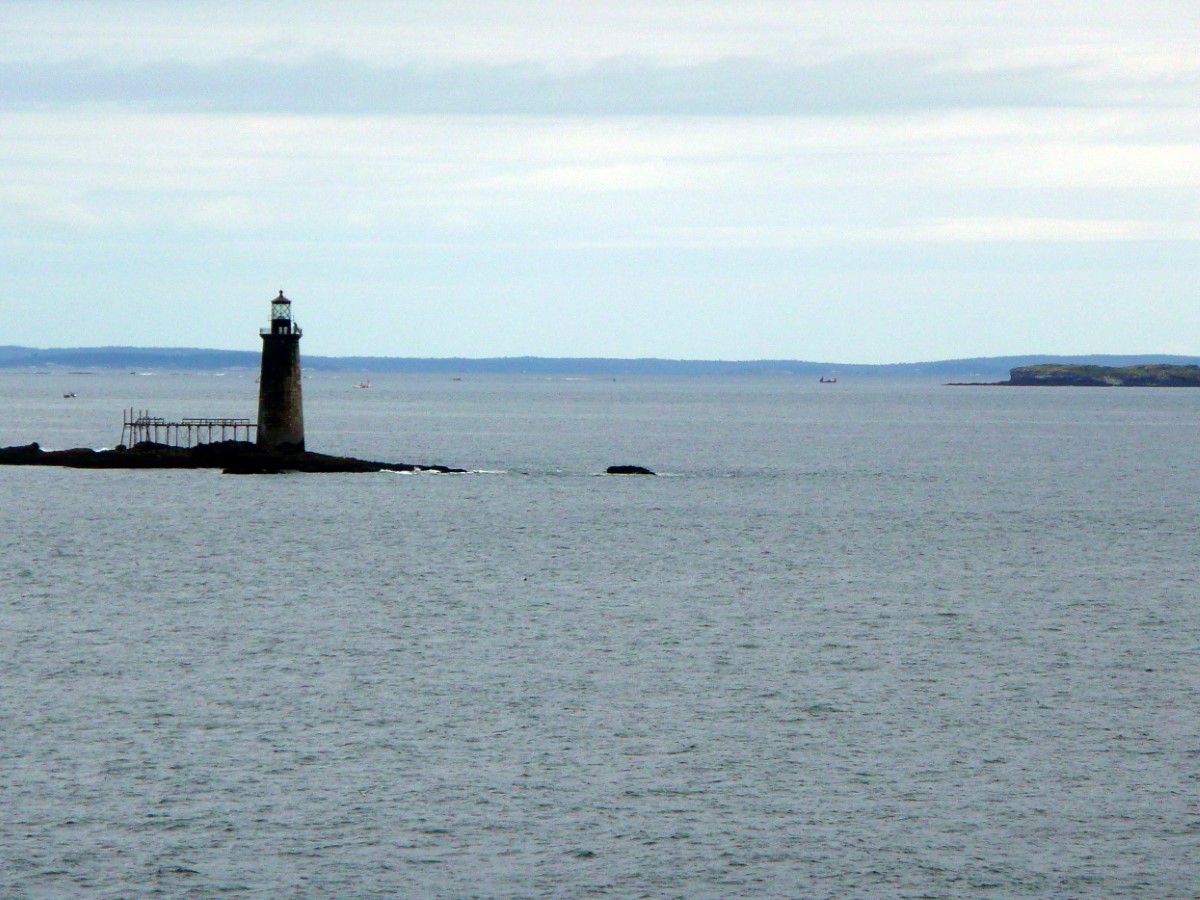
x,y
31,359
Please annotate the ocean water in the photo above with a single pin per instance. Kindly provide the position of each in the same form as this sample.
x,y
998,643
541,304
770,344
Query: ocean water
x,y
879,638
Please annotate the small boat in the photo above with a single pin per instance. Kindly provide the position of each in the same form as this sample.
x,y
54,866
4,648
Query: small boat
x,y
69,396
363,384
825,380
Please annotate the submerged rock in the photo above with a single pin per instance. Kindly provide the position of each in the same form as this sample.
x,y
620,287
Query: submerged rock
x,y
628,470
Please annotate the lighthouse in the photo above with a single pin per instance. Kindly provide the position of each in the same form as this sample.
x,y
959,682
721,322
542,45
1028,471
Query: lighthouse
x,y
280,408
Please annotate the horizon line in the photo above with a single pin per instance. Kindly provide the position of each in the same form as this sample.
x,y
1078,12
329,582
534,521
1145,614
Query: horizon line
x,y
13,350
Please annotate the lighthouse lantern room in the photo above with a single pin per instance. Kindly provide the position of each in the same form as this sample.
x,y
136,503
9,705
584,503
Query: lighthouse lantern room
x,y
281,317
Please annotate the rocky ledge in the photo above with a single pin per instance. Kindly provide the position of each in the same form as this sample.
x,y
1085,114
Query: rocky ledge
x,y
232,457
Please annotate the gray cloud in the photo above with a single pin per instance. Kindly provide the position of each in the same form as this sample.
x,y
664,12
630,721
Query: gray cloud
x,y
875,83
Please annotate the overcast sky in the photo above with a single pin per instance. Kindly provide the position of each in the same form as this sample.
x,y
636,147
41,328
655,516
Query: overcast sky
x,y
836,180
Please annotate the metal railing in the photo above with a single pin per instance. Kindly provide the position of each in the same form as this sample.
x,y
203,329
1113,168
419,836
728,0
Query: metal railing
x,y
138,426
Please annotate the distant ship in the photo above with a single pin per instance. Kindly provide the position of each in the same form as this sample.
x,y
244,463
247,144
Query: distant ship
x,y
363,384
825,380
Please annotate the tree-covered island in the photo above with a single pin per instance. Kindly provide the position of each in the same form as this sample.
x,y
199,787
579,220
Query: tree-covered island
x,y
1056,374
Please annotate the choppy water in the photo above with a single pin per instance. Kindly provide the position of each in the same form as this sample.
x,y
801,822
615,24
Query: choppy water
x,y
875,639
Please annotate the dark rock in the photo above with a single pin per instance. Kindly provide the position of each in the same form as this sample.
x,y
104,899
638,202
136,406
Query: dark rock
x,y
26,455
628,470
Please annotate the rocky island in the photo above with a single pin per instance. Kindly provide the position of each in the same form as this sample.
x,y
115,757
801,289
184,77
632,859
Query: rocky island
x,y
1069,375
1105,376
232,457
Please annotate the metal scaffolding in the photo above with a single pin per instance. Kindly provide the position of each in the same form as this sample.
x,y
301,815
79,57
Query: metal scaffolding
x,y
138,426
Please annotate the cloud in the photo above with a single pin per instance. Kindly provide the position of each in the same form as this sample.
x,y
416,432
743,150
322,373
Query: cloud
x,y
1031,229
545,161
337,85
967,177
20,205
947,230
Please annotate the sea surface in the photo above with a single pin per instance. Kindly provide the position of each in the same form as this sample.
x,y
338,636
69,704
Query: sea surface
x,y
873,639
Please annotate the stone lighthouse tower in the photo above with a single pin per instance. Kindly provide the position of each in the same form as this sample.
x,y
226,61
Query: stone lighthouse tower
x,y
280,409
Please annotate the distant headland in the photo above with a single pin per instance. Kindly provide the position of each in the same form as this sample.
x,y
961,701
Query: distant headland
x,y
1060,375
